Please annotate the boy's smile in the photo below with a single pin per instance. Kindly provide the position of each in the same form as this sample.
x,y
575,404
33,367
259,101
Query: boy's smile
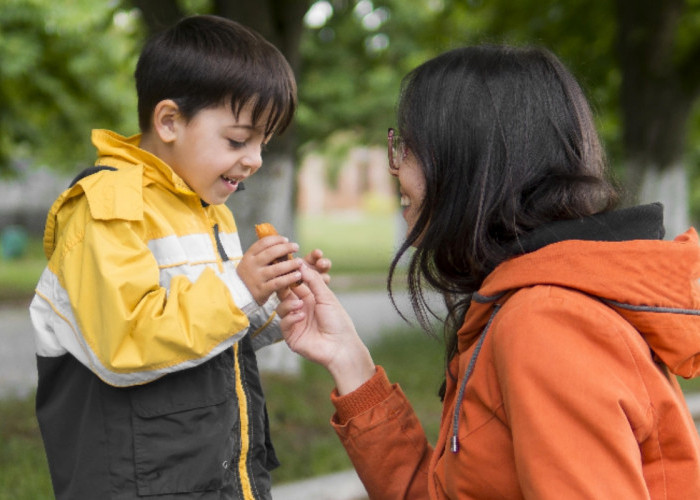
x,y
233,182
213,152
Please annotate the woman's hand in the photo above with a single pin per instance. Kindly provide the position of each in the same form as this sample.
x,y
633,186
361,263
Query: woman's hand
x,y
316,326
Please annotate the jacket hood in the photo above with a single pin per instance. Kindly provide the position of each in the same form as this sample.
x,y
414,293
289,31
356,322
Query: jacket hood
x,y
651,282
118,195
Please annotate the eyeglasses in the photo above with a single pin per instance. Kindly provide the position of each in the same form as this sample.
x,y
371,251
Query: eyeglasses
x,y
397,150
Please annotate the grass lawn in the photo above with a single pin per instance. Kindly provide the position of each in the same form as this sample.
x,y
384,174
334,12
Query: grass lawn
x,y
23,469
18,276
357,243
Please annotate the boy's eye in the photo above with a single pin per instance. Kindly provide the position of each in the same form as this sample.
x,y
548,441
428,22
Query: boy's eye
x,y
236,144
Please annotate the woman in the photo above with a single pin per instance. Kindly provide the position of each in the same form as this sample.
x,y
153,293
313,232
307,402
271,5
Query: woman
x,y
567,318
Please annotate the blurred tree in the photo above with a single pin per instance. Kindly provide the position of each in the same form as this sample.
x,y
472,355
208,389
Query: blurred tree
x,y
53,90
658,49
636,60
354,54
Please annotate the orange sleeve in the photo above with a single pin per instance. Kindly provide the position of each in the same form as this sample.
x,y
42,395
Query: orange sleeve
x,y
384,439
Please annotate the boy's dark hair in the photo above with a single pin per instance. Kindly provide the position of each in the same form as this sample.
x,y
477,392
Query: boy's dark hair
x,y
506,141
205,61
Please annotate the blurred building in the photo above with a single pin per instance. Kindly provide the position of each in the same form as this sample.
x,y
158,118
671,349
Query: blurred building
x,y
362,182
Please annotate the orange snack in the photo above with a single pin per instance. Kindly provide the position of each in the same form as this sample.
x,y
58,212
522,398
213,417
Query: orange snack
x,y
267,229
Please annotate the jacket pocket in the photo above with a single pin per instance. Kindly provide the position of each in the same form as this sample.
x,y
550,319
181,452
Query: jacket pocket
x,y
183,429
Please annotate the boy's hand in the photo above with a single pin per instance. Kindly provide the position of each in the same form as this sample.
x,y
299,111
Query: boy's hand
x,y
316,261
261,274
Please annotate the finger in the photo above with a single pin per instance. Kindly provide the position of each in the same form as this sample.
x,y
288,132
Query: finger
x,y
323,265
283,281
314,255
286,294
288,306
289,320
317,287
302,292
271,271
266,242
279,251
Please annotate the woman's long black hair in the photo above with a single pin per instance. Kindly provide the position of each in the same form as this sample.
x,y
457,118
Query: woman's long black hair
x,y
507,143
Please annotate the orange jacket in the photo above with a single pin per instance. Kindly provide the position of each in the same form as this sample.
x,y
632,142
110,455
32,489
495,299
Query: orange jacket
x,y
570,395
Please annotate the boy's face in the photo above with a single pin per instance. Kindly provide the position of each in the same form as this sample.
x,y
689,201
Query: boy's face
x,y
214,152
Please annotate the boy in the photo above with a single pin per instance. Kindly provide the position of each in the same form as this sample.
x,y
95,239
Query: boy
x,y
148,314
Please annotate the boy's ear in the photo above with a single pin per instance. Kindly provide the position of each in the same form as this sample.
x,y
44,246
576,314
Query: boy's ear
x,y
165,120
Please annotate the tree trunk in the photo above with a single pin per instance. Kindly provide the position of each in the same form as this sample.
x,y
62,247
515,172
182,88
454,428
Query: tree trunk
x,y
668,186
656,100
270,194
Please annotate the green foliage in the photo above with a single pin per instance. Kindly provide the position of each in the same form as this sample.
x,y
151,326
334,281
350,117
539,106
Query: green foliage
x,y
353,63
66,69
67,66
346,85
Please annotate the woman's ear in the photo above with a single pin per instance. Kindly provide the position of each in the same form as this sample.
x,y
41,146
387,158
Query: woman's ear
x,y
165,120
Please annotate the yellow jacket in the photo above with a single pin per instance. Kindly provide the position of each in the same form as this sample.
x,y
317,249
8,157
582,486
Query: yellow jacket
x,y
145,338
141,279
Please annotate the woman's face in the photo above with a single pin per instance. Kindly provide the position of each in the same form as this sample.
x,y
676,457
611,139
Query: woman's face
x,y
411,187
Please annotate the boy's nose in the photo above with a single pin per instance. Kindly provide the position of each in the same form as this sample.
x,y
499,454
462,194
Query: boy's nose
x,y
252,160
